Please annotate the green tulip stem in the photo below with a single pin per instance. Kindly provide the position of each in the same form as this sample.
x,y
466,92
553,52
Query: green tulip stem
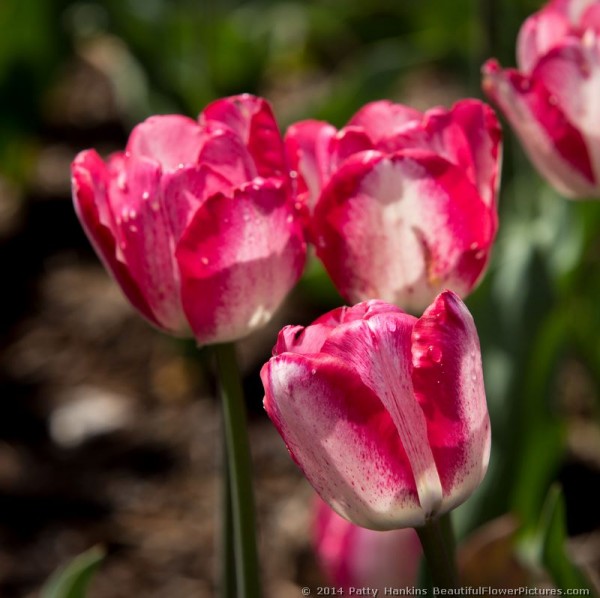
x,y
227,586
438,544
240,480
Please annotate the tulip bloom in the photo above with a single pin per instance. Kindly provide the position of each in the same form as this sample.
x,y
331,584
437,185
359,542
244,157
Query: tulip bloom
x,y
355,557
551,100
195,219
401,204
384,413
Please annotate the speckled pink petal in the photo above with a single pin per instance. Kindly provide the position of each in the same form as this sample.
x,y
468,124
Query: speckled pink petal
x,y
170,140
378,350
401,228
448,382
557,148
238,259
90,181
344,440
383,119
251,118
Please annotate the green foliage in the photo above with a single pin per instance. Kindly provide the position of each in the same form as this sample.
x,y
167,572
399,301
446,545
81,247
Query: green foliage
x,y
72,581
553,536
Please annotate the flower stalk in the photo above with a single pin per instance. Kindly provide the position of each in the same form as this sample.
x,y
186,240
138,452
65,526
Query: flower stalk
x,y
437,540
238,467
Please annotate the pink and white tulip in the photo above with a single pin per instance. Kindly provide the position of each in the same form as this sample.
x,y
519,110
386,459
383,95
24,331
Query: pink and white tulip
x,y
355,557
195,219
552,99
401,204
384,413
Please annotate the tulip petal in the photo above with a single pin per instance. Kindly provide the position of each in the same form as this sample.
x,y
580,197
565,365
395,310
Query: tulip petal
x,y
170,140
225,153
145,240
555,146
571,74
90,179
251,118
448,382
238,258
343,439
384,119
379,351
299,339
185,190
480,128
308,146
539,33
401,228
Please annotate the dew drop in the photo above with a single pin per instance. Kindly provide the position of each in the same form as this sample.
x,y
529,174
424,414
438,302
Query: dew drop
x,y
146,195
417,336
313,371
133,228
479,255
155,206
293,174
204,260
180,166
122,183
289,219
435,353
132,214
298,206
473,246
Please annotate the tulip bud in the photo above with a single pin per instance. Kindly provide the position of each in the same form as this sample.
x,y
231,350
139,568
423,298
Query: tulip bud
x,y
195,219
384,413
355,557
551,100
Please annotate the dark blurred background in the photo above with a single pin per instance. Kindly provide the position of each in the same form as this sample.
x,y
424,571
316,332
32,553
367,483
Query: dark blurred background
x,y
109,430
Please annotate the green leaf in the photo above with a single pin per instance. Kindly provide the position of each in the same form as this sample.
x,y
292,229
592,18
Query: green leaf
x,y
553,537
72,581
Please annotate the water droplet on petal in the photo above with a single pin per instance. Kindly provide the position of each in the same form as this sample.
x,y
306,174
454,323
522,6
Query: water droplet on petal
x,y
204,260
293,174
146,195
313,371
289,219
480,255
474,246
122,183
155,206
435,353
132,214
180,165
133,228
